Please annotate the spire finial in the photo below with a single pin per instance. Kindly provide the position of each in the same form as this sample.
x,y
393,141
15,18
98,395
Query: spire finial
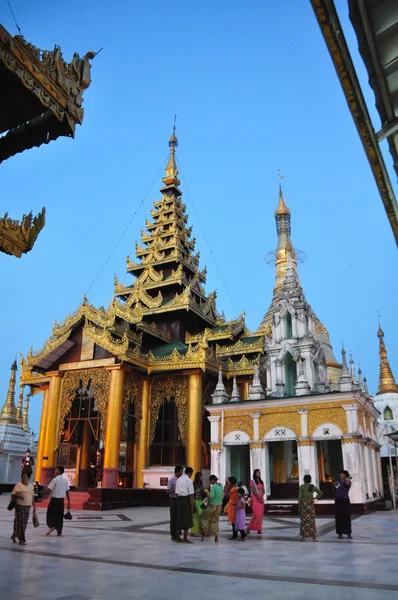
x,y
20,406
386,378
9,412
171,178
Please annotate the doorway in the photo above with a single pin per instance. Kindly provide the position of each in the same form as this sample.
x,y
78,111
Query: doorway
x,y
240,463
330,464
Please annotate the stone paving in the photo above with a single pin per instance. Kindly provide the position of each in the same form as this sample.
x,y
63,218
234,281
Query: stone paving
x,y
128,554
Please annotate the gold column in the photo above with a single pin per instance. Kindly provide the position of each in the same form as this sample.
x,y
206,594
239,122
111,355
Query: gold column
x,y
113,428
42,432
51,427
244,389
194,421
142,449
85,455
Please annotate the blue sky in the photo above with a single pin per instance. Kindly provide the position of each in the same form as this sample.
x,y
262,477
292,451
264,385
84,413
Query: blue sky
x,y
254,90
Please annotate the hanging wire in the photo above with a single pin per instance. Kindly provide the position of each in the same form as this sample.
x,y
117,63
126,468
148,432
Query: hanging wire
x,y
12,12
127,227
206,239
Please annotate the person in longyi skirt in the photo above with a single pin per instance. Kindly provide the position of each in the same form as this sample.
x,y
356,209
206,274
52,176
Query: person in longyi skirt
x,y
307,508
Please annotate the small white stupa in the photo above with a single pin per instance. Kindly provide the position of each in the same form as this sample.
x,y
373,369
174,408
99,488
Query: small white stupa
x,y
15,437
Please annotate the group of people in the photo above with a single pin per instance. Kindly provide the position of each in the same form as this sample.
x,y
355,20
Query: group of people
x,y
196,510
23,498
306,504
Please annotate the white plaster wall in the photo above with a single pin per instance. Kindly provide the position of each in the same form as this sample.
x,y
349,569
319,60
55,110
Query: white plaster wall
x,y
274,437
334,431
352,463
237,437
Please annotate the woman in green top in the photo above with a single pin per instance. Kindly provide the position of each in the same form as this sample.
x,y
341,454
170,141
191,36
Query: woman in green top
x,y
307,508
211,514
199,494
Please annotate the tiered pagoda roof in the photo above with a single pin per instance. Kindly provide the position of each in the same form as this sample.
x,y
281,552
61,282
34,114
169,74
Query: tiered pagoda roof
x,y
164,320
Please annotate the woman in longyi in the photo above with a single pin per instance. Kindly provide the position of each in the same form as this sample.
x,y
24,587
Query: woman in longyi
x,y
307,508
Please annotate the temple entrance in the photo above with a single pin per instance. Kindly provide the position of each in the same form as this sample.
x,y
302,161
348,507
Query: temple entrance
x,y
330,464
239,463
80,440
283,469
167,448
126,452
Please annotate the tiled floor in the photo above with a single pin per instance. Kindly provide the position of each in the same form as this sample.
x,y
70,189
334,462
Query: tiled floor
x,y
128,554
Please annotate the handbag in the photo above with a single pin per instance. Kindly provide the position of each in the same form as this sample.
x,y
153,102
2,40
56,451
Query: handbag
x,y
205,503
12,504
68,516
35,520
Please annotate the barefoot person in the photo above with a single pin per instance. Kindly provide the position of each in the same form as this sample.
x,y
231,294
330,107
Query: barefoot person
x,y
59,489
23,493
257,502
171,492
307,509
209,519
343,505
185,505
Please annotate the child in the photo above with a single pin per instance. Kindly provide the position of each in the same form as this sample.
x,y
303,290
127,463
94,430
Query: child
x,y
240,522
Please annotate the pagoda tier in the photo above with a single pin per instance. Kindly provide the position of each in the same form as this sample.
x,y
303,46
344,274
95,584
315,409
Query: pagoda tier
x,y
168,278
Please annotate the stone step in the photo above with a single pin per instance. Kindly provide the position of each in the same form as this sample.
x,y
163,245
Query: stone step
x,y
77,500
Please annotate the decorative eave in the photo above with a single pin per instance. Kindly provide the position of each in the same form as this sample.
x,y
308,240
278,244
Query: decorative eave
x,y
153,330
84,311
19,237
58,86
223,331
159,259
104,338
244,366
241,347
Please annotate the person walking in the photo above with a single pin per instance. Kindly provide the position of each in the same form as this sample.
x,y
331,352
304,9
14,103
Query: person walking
x,y
306,505
257,490
185,504
233,499
209,519
171,492
23,494
59,489
343,505
199,494
240,521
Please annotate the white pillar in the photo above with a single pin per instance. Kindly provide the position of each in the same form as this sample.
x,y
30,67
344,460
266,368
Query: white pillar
x,y
294,326
273,376
303,412
354,465
368,470
257,457
351,411
283,328
375,471
379,472
309,374
307,460
269,380
214,429
256,434
215,454
267,473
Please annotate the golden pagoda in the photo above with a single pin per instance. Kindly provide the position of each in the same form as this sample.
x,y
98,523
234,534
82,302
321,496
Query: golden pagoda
x,y
387,384
135,378
9,412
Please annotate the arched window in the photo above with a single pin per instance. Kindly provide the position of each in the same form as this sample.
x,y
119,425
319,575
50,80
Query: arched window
x,y
290,374
387,414
167,447
289,329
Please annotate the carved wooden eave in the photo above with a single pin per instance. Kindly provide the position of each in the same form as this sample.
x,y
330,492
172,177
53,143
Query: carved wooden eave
x,y
45,94
242,347
105,339
223,331
84,311
19,237
244,366
153,330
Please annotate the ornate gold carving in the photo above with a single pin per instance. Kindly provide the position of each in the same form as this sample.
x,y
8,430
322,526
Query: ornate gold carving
x,y
240,422
215,446
106,340
280,418
165,388
240,347
19,237
305,442
334,414
58,85
244,366
350,440
71,382
133,395
138,295
257,445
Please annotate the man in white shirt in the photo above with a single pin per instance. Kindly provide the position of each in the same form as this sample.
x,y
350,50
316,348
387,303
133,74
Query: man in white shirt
x,y
185,504
171,492
59,489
